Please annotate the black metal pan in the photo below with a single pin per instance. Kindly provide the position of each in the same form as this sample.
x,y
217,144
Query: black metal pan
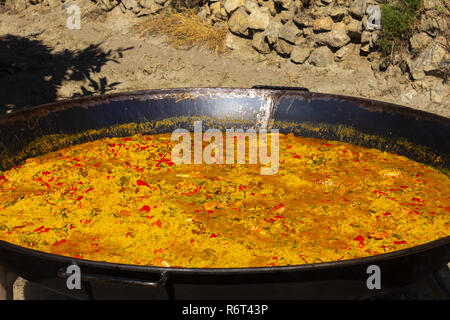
x,y
421,136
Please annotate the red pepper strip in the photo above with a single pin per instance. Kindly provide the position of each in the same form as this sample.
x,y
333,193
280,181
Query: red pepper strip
x,y
142,183
360,239
3,178
46,173
447,208
417,199
157,223
78,256
387,214
213,235
380,192
39,229
59,242
145,208
242,188
90,189
400,242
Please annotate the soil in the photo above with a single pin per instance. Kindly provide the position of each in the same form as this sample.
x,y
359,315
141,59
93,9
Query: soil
x,y
41,61
51,62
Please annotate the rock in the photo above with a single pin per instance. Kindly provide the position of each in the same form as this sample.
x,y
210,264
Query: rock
x,y
303,20
259,19
365,48
432,60
419,41
437,93
285,4
151,6
232,5
430,4
308,32
238,22
17,5
271,6
341,53
318,11
366,36
300,41
374,37
336,38
283,48
321,57
133,4
259,43
217,10
289,32
433,25
354,29
337,13
358,8
407,97
300,54
250,5
161,2
323,24
287,15
234,42
272,31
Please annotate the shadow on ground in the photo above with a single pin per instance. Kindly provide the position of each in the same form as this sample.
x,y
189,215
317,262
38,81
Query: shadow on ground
x,y
31,72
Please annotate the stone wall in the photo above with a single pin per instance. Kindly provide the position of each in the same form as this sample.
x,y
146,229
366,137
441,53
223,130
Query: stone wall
x,y
321,32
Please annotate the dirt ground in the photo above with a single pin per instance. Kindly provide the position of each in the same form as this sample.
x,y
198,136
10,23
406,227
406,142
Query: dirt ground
x,y
52,62
41,61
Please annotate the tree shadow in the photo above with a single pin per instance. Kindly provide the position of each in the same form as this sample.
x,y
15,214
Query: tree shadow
x,y
31,72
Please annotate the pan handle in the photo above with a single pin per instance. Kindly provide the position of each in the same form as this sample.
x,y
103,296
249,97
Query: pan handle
x,y
279,88
62,273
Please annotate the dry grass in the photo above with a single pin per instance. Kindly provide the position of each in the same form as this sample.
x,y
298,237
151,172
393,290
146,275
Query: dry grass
x,y
185,30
